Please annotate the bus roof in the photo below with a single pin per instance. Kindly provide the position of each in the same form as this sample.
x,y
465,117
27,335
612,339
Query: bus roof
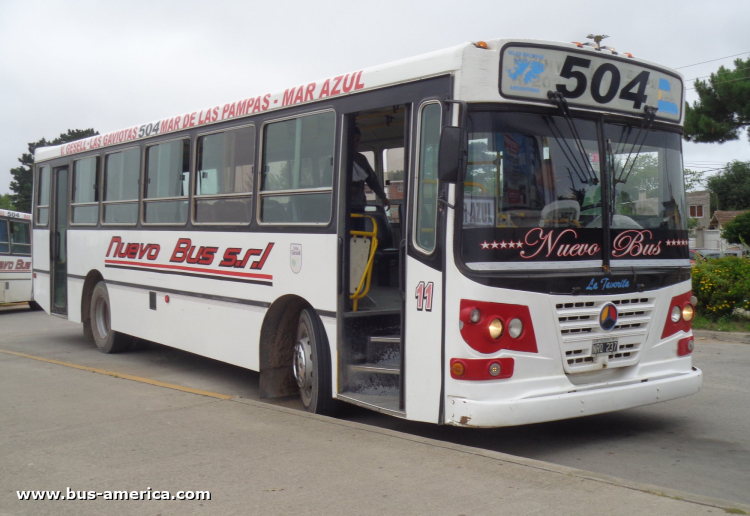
x,y
418,67
15,214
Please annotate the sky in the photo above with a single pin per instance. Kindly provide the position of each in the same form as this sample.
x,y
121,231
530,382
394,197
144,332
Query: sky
x,y
110,65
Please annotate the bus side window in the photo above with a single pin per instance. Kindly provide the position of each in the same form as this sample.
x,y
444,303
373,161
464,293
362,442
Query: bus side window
x,y
20,238
42,199
224,177
427,180
165,199
120,193
4,237
297,170
85,195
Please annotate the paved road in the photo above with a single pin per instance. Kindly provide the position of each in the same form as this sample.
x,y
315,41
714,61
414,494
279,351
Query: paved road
x,y
699,444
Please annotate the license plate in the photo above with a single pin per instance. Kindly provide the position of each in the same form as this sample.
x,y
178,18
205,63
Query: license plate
x,y
603,346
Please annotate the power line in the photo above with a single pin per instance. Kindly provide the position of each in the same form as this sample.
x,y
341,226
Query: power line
x,y
717,73
712,60
725,82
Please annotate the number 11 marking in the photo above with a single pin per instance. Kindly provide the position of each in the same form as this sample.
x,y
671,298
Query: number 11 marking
x,y
424,296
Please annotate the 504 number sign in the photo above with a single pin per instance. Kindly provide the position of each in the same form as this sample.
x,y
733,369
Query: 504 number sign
x,y
634,91
589,79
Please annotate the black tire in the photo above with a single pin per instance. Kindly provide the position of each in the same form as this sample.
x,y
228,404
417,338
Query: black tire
x,y
106,339
88,332
311,364
34,306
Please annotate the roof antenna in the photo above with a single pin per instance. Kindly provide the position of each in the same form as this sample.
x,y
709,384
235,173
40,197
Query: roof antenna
x,y
597,42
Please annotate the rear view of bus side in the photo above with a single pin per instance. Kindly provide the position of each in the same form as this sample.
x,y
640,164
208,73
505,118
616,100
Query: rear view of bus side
x,y
521,254
15,258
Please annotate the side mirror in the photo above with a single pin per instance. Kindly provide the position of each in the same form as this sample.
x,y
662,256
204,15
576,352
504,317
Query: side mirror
x,y
454,143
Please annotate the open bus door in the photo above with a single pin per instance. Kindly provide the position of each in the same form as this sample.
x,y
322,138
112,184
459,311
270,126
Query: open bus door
x,y
390,339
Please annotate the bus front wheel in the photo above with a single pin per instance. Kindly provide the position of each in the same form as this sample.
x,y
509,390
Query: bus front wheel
x,y
311,364
107,340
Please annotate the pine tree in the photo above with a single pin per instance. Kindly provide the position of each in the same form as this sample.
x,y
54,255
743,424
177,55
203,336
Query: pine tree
x,y
723,108
21,185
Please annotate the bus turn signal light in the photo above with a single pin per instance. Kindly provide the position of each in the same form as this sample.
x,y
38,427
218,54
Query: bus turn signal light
x,y
482,44
477,369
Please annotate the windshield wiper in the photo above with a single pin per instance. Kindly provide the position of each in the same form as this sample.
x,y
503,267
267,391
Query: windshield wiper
x,y
569,153
648,119
559,99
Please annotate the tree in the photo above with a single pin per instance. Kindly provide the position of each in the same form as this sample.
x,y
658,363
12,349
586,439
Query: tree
x,y
723,106
22,176
5,202
732,186
693,179
737,231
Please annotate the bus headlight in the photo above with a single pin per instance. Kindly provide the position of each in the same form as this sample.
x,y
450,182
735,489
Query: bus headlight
x,y
475,315
496,329
495,369
676,314
515,328
688,312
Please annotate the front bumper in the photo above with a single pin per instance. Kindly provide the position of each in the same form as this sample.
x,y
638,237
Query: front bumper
x,y
564,405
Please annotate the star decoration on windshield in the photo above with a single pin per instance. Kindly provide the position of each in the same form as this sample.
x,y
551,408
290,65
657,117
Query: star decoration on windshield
x,y
501,245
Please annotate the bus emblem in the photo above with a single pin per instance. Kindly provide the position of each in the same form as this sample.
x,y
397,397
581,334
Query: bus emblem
x,y
295,257
608,317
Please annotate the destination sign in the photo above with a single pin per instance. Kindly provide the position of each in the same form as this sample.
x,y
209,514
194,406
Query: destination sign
x,y
589,79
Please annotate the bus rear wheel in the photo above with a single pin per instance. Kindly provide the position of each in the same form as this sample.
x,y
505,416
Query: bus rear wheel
x,y
107,340
311,364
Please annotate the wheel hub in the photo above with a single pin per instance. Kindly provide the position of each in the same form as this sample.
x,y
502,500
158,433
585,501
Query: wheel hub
x,y
102,318
302,365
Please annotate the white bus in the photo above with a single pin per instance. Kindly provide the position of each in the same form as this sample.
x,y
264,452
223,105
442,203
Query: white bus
x,y
15,258
533,264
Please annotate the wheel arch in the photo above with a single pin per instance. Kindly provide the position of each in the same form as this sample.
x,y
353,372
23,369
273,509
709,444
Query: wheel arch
x,y
277,338
92,278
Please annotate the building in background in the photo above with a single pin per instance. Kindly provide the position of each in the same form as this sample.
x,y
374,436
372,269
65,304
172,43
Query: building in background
x,y
709,237
699,206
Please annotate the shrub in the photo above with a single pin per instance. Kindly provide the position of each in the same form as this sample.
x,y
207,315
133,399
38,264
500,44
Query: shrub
x,y
721,285
737,230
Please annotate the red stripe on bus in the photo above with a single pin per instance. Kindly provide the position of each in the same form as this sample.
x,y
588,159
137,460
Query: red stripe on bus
x,y
192,269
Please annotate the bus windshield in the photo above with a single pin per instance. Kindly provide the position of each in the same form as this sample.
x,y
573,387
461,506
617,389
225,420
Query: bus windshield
x,y
533,192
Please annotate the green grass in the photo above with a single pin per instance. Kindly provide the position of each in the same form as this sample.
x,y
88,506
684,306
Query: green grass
x,y
723,324
734,511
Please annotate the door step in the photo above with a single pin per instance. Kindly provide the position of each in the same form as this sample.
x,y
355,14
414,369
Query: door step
x,y
376,368
384,350
374,379
387,404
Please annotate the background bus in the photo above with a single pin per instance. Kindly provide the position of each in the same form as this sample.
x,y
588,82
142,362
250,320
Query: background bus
x,y
534,266
15,258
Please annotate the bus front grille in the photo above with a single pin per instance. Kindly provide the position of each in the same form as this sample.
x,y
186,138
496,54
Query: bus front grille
x,y
579,329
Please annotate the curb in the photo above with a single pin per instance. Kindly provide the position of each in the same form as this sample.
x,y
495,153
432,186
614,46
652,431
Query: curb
x,y
549,467
724,336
